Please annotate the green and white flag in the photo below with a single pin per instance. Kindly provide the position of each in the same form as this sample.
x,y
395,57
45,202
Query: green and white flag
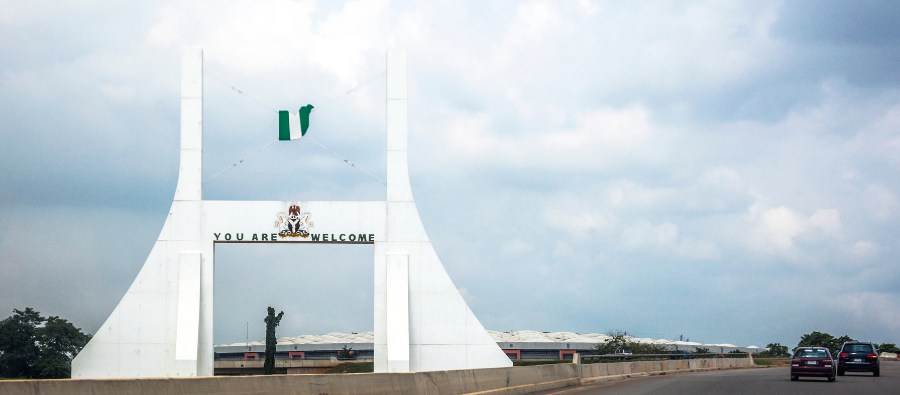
x,y
293,126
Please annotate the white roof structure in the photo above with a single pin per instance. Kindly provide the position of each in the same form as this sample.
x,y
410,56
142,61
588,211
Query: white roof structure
x,y
500,337
328,338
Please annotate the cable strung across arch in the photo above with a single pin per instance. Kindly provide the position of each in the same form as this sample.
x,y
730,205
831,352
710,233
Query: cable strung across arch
x,y
294,126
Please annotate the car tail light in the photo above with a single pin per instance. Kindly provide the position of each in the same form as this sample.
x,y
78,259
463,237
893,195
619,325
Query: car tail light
x,y
827,362
872,356
795,360
843,355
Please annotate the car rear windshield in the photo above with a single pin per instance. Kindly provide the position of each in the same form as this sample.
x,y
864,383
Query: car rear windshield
x,y
807,353
857,348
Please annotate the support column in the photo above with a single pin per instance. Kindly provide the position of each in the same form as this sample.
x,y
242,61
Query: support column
x,y
187,332
398,189
392,313
397,300
190,172
205,348
186,220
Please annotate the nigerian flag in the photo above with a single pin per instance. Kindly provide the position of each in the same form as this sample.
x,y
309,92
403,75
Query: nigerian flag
x,y
291,126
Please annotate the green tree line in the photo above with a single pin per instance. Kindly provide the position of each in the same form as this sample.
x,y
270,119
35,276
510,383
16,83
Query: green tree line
x,y
820,339
32,346
619,340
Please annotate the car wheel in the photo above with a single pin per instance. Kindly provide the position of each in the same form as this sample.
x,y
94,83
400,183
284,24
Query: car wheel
x,y
876,373
794,377
840,372
831,379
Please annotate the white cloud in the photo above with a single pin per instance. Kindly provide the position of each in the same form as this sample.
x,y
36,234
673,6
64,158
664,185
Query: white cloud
x,y
280,35
576,221
828,221
778,229
723,177
864,251
665,237
598,139
775,228
515,248
644,233
876,308
698,250
881,202
168,31
588,7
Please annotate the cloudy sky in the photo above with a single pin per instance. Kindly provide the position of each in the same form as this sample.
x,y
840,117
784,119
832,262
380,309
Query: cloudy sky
x,y
727,171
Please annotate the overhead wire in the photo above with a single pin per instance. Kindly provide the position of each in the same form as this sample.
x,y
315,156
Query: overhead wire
x,y
237,163
348,162
342,95
351,90
239,91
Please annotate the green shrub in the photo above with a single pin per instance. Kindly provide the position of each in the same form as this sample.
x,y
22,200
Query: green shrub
x,y
347,353
353,367
888,347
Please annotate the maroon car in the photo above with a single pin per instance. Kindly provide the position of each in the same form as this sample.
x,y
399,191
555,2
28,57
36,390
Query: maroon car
x,y
812,361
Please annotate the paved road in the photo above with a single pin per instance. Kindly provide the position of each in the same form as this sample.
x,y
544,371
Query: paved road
x,y
747,381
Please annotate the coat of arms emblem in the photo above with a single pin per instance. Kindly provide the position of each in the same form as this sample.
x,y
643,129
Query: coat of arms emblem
x,y
293,224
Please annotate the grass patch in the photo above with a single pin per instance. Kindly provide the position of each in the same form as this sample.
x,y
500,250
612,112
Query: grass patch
x,y
771,361
353,367
545,362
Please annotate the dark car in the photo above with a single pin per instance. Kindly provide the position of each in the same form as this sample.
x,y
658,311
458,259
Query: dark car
x,y
682,354
858,357
812,361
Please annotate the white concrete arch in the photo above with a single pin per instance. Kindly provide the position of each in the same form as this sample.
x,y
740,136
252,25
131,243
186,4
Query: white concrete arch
x,y
163,326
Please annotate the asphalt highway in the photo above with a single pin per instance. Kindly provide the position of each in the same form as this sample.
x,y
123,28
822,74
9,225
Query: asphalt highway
x,y
746,381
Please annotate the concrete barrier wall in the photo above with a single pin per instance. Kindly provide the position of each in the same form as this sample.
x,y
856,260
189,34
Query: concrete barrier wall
x,y
620,368
514,380
449,382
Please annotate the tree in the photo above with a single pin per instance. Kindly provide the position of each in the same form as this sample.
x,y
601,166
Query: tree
x,y
347,353
701,350
36,347
18,343
620,340
617,339
775,350
271,322
60,342
821,339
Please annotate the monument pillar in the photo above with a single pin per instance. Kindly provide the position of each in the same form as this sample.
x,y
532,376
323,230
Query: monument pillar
x,y
163,326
